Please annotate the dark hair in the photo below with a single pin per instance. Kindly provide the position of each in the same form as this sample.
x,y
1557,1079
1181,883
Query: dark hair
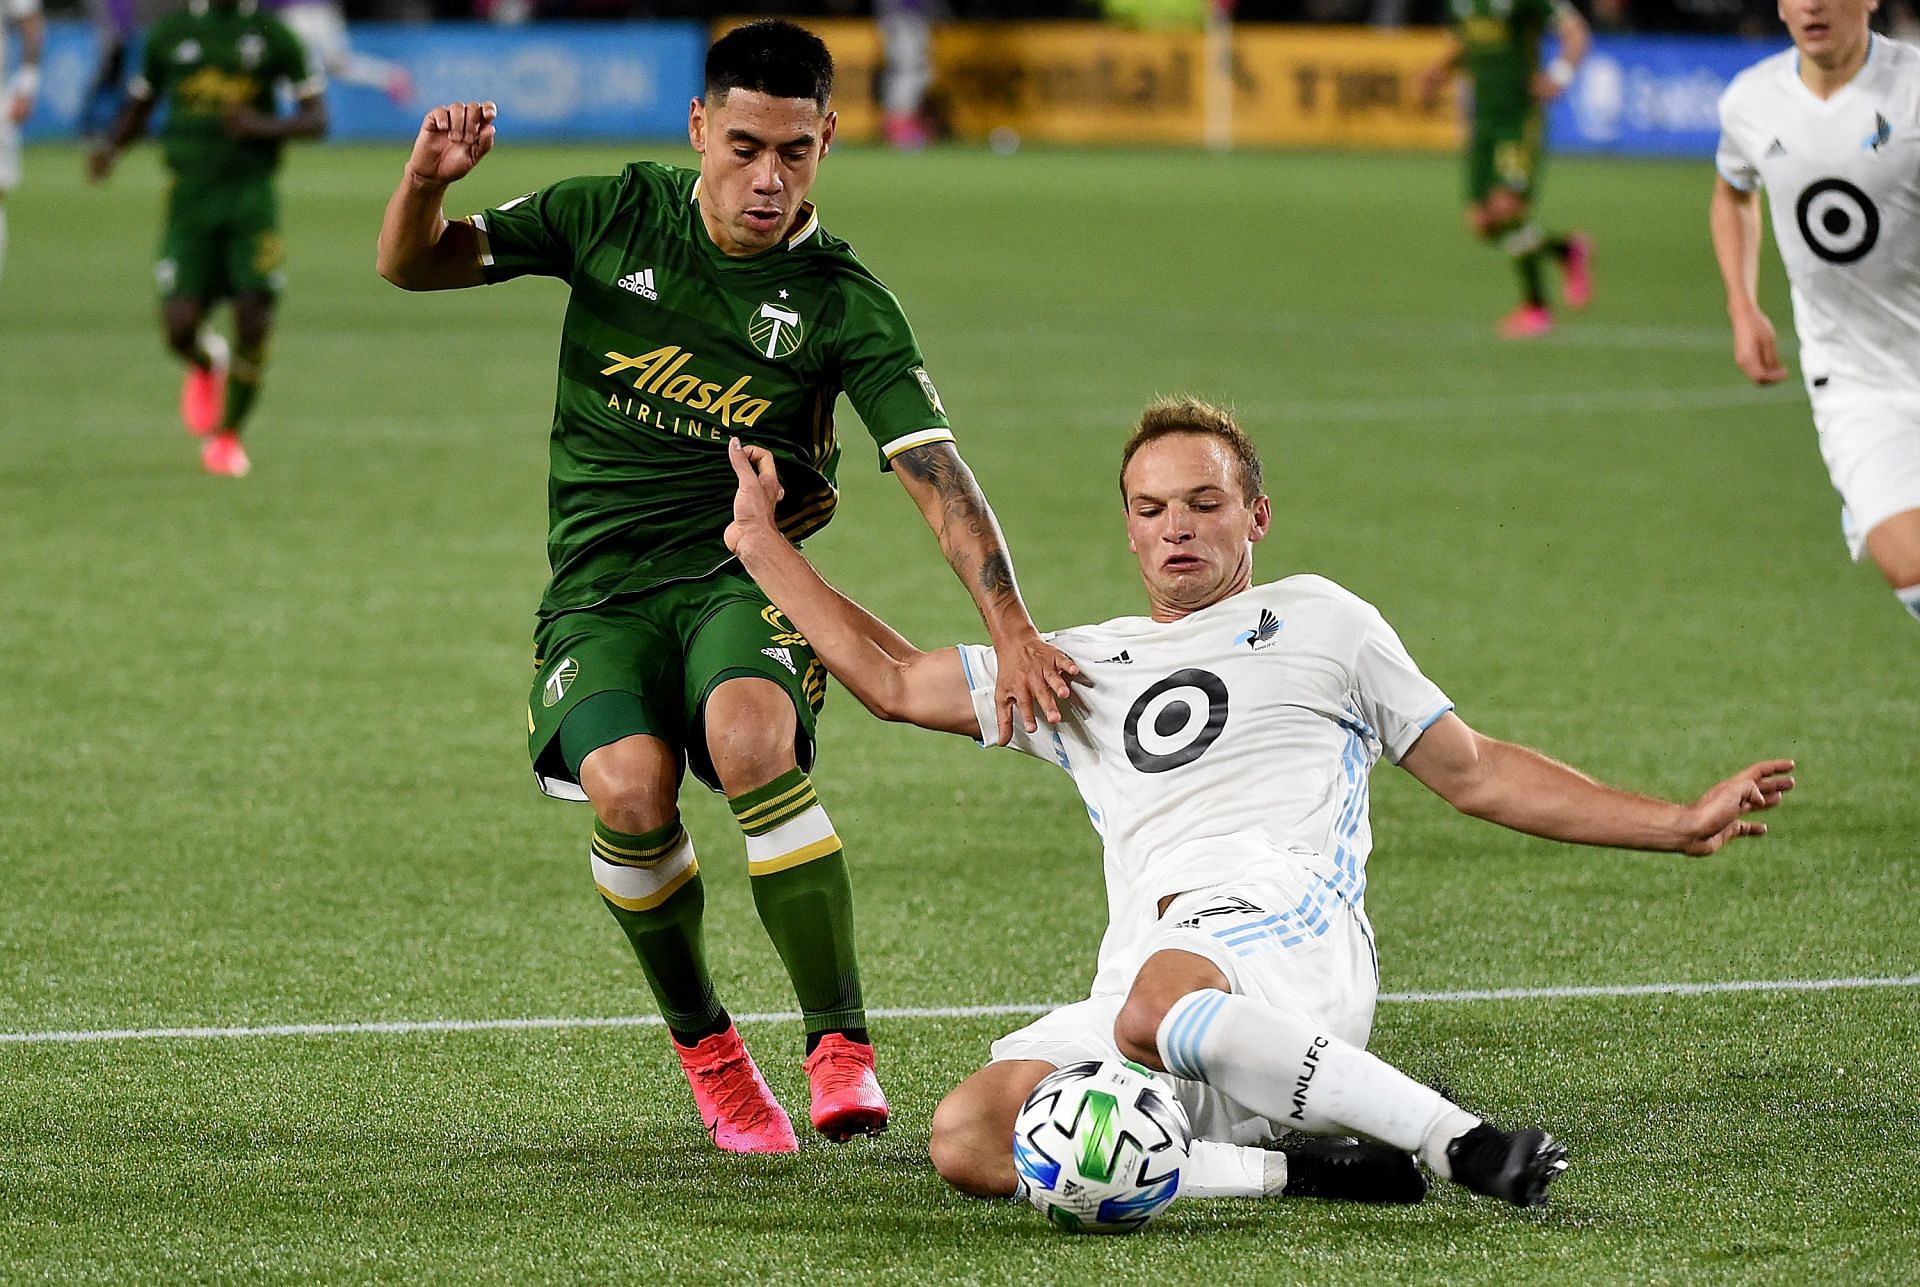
x,y
1190,415
770,57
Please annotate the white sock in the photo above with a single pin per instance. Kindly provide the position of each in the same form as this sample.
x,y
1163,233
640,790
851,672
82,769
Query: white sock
x,y
1286,1068
1216,1170
1909,597
800,839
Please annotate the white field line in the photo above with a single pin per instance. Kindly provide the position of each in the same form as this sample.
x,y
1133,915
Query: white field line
x,y
1519,410
405,1027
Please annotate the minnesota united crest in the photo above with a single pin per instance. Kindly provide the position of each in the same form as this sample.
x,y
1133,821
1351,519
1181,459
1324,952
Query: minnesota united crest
x,y
775,331
1262,634
556,686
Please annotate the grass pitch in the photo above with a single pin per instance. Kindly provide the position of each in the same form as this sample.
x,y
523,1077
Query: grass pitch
x,y
263,763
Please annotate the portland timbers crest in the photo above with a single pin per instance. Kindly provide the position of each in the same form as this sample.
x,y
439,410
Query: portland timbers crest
x,y
775,330
556,686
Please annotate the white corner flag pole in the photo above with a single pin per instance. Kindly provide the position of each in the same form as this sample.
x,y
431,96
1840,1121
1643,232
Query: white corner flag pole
x,y
1217,83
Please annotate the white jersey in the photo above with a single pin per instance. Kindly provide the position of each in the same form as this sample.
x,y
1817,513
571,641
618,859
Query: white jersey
x,y
11,12
1232,744
1843,181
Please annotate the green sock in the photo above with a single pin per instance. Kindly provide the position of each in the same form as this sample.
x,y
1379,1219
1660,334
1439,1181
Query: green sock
x,y
651,884
244,373
804,895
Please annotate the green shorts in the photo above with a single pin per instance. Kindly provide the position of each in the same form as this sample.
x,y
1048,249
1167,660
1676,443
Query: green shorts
x,y
665,651
1506,152
220,240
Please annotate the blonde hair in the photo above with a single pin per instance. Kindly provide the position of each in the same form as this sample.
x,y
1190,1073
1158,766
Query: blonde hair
x,y
1165,416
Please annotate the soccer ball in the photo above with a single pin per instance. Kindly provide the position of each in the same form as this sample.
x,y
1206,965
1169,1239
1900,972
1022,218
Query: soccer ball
x,y
1099,1146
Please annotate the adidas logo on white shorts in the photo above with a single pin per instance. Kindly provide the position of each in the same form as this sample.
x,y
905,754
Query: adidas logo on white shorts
x,y
640,283
781,655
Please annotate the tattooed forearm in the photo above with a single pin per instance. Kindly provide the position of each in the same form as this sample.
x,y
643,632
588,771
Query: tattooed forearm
x,y
939,466
954,507
996,574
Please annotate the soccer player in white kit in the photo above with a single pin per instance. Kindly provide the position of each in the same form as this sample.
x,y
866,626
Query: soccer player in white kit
x,y
1831,129
1222,746
17,94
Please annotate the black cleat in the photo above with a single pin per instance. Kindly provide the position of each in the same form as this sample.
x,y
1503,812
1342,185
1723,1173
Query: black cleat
x,y
1344,1169
1515,1166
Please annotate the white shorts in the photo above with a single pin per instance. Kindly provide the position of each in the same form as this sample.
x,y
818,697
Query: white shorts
x,y
1322,969
1870,439
9,154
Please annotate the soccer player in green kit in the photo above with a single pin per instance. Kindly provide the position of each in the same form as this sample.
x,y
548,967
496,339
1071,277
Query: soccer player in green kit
x,y
218,66
707,305
1497,44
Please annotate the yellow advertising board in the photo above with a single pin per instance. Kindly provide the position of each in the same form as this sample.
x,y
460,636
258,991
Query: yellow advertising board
x,y
1069,82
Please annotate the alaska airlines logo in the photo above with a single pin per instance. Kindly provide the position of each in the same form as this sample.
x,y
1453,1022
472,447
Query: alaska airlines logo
x,y
211,89
658,373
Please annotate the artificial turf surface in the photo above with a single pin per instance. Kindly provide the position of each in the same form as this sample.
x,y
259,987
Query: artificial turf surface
x,y
263,759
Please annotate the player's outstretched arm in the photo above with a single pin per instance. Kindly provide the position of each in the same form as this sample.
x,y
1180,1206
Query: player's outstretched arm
x,y
129,125
419,249
1735,222
24,88
891,677
1520,788
1035,678
1435,78
1575,37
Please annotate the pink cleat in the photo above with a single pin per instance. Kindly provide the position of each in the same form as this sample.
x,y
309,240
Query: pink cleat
x,y
1577,286
738,1110
905,131
846,1095
223,455
399,87
203,394
1527,322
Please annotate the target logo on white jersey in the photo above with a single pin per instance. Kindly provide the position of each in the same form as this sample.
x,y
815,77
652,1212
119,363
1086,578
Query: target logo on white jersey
x,y
1838,220
1175,721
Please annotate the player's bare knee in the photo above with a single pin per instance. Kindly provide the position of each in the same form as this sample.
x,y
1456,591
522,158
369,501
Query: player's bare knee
x,y
627,787
183,334
252,320
964,1153
1137,1029
1503,209
1894,546
750,735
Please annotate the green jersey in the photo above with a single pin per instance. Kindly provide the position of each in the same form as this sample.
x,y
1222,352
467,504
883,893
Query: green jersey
x,y
1501,40
669,348
208,61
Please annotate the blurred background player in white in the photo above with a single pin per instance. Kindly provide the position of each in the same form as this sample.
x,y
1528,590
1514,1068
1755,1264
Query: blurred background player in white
x,y
1222,746
1831,129
906,28
18,91
1496,45
322,28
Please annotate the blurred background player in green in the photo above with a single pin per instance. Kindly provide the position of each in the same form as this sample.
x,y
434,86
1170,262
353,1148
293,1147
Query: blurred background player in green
x,y
219,66
706,304
1496,43
17,93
